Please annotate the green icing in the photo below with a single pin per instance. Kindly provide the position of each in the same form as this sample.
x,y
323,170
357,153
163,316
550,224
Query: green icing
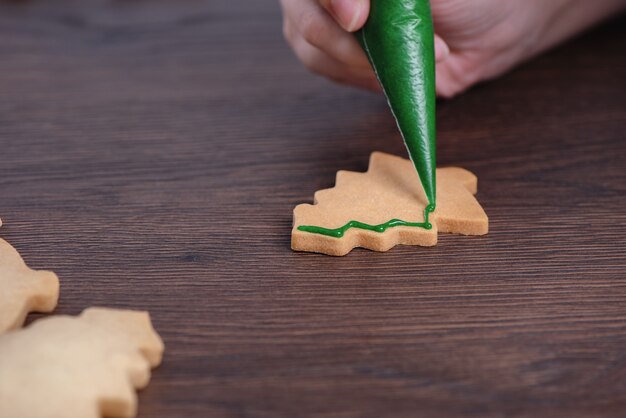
x,y
339,232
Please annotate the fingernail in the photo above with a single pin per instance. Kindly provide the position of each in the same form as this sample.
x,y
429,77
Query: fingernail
x,y
347,12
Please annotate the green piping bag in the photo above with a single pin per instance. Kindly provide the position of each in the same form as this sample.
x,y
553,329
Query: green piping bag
x,y
398,39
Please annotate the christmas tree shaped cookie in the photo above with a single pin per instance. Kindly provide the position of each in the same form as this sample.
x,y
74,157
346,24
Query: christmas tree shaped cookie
x,y
386,206
23,290
78,367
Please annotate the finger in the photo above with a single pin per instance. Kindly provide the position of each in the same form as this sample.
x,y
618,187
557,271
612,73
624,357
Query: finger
x,y
321,63
442,51
455,75
447,85
350,14
320,30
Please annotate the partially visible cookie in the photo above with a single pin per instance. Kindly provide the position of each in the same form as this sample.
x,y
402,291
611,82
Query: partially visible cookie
x,y
23,290
384,207
78,367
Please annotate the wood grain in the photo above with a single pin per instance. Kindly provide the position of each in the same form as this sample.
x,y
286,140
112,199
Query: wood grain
x,y
151,153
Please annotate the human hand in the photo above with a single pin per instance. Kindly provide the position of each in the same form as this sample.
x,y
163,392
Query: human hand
x,y
475,40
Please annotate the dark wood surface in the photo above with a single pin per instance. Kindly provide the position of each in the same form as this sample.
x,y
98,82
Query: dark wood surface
x,y
151,153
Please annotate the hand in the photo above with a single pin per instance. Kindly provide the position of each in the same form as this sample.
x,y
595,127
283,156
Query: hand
x,y
319,33
476,40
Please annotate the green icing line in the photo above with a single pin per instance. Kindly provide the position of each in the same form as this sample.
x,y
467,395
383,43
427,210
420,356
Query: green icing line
x,y
339,232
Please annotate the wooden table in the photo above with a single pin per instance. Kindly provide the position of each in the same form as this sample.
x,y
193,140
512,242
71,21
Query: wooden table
x,y
152,152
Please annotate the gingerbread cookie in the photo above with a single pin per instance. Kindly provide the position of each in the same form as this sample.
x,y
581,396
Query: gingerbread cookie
x,y
78,367
386,206
23,290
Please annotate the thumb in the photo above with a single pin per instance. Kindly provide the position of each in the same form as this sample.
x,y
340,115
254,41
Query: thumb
x,y
350,14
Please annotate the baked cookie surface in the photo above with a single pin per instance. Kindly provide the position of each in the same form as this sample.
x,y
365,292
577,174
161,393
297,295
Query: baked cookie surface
x,y
384,200
78,367
23,290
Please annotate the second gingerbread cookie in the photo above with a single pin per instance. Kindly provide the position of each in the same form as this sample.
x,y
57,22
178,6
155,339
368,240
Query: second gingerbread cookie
x,y
384,207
